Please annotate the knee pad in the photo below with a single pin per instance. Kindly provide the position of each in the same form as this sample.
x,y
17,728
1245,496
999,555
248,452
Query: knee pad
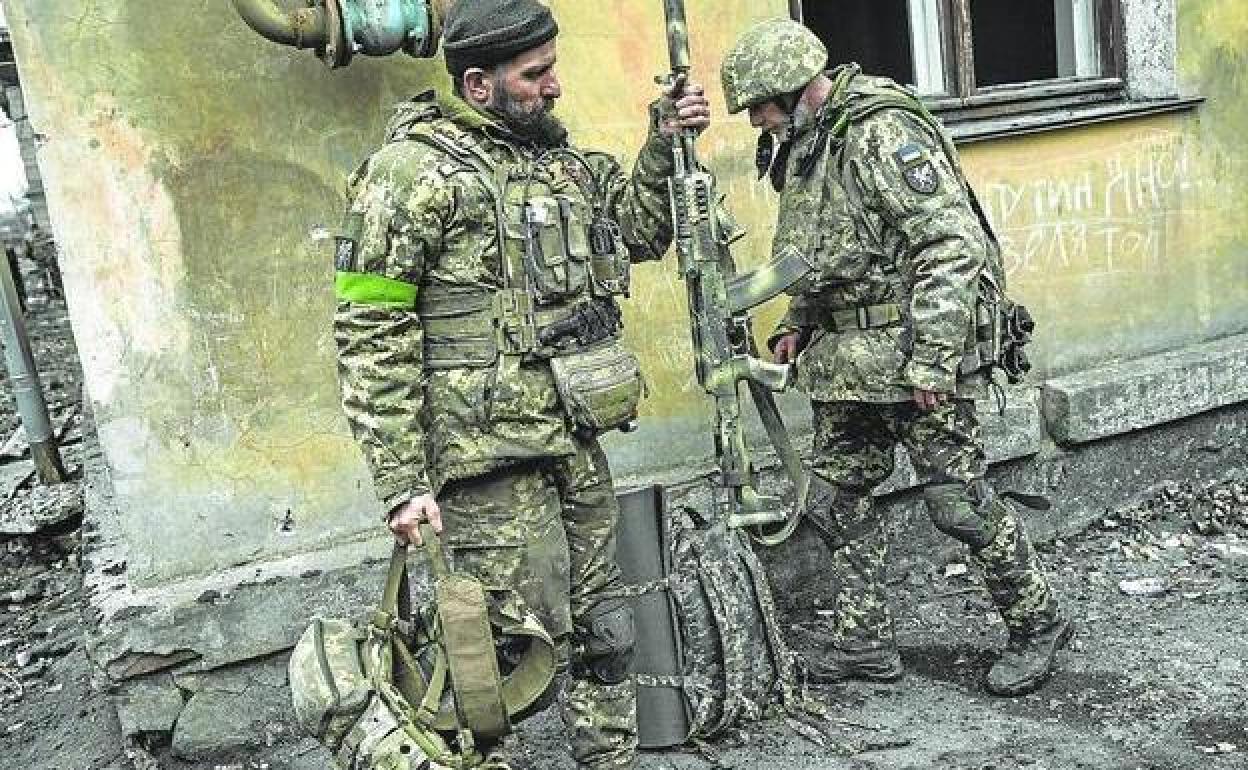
x,y
959,511
605,639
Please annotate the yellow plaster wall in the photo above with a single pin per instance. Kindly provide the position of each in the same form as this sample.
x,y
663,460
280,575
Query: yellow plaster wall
x,y
189,164
1128,238
1110,237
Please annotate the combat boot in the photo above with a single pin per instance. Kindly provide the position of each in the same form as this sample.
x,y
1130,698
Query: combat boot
x,y
1028,661
878,664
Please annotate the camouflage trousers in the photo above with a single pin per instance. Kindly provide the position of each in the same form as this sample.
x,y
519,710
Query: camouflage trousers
x,y
547,531
853,451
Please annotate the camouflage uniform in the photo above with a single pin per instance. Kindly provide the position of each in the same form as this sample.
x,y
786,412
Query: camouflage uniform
x,y
447,393
900,248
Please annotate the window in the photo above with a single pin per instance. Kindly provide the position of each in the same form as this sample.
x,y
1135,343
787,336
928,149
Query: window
x,y
986,59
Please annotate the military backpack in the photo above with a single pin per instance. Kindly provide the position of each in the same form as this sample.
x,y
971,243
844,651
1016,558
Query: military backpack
x,y
421,690
710,652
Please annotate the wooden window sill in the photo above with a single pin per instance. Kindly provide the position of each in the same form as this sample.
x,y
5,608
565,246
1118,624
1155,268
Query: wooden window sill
x,y
981,128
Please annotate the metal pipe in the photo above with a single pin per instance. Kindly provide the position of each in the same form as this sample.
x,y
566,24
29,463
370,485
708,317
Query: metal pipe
x,y
302,27
31,407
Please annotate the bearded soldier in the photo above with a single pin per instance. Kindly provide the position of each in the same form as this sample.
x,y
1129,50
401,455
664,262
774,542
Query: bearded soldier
x,y
884,338
479,267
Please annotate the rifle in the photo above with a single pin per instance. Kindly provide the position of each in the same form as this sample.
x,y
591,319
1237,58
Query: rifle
x,y
723,343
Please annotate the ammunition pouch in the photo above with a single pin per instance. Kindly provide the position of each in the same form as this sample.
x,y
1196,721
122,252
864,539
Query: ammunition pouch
x,y
600,387
551,233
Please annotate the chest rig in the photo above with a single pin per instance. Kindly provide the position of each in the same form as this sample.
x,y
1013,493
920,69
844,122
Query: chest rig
x,y
561,259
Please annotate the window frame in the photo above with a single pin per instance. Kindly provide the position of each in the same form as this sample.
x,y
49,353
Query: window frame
x,y
974,112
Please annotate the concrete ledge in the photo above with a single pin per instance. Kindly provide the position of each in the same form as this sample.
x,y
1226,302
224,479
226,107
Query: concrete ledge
x,y
1126,396
208,623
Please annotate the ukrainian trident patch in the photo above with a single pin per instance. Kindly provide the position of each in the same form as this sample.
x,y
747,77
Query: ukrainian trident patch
x,y
917,169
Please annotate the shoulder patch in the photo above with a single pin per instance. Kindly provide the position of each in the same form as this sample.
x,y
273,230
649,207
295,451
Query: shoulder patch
x,y
347,242
344,254
917,169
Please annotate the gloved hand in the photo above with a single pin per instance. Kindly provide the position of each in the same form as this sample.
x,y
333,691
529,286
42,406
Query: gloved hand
x,y
683,105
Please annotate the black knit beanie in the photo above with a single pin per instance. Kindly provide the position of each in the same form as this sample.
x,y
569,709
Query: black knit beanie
x,y
482,33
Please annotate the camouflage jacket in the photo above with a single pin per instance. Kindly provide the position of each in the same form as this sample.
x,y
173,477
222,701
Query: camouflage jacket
x,y
421,220
894,232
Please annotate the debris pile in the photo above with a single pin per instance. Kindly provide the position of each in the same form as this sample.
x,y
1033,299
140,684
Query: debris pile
x,y
40,619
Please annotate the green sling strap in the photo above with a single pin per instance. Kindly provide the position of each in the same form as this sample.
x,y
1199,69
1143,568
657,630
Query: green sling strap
x,y
466,619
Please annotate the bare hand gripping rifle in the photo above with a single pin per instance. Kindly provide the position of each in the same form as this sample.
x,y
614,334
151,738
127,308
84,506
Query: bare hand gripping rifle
x,y
719,299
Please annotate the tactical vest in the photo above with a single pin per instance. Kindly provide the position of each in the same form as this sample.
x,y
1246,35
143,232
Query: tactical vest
x,y
563,260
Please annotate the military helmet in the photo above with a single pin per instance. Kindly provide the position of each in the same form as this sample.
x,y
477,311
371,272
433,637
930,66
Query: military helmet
x,y
774,57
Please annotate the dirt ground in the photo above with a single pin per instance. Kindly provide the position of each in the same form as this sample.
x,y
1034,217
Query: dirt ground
x,y
1155,679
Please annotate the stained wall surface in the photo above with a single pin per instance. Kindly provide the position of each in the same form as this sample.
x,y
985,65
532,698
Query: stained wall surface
x,y
191,165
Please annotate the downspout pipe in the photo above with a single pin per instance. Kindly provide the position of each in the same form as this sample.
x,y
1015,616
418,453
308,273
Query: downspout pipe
x,y
302,28
31,406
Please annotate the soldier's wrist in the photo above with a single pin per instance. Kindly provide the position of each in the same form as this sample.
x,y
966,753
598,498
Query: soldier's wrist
x,y
930,377
393,500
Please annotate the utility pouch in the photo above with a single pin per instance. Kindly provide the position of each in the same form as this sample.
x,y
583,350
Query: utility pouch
x,y
1003,328
600,388
556,247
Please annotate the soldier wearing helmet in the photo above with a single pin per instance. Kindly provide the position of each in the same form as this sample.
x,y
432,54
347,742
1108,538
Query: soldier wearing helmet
x,y
479,267
884,334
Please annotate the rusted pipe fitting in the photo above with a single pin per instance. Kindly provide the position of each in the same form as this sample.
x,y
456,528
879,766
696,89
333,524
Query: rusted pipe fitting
x,y
301,28
340,29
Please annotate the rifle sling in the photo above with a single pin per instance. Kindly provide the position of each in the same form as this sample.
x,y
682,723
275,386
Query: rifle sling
x,y
790,460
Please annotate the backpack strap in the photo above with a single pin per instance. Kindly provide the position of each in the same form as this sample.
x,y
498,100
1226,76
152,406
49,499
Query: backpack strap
x,y
782,656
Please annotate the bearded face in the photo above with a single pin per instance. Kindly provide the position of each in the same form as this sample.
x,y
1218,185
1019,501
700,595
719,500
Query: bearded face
x,y
532,120
522,93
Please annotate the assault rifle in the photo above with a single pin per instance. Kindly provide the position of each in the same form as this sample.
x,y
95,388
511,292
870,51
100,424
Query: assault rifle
x,y
719,298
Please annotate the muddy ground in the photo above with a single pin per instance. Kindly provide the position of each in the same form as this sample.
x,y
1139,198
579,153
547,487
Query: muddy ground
x,y
1154,680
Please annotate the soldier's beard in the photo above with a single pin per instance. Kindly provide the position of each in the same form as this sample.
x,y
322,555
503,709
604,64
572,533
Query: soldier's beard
x,y
536,124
